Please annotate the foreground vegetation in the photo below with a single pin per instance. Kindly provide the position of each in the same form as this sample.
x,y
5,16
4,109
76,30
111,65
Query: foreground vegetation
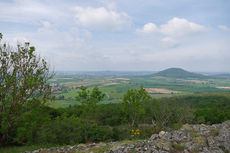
x,y
46,125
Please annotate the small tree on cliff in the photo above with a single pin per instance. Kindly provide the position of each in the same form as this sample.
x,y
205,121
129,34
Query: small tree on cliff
x,y
23,85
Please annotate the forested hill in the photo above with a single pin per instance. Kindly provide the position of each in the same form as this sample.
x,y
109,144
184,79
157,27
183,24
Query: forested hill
x,y
179,73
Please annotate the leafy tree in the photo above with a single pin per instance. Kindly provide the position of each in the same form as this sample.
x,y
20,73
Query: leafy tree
x,y
132,103
89,98
23,85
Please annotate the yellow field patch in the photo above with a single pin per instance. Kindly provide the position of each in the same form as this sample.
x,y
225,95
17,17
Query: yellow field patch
x,y
223,87
126,79
160,90
66,78
109,84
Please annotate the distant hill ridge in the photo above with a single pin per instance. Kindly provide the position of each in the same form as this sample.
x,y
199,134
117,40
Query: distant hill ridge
x,y
223,76
179,73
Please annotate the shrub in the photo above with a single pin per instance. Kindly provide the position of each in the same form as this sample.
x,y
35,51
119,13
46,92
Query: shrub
x,y
178,146
72,130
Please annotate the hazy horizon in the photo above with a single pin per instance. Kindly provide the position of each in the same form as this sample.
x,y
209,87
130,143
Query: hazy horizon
x,y
117,35
148,71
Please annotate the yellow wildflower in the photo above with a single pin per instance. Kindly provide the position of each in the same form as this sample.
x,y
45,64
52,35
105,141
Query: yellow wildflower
x,y
132,135
198,139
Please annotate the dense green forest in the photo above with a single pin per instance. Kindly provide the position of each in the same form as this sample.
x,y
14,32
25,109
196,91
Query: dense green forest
x,y
109,122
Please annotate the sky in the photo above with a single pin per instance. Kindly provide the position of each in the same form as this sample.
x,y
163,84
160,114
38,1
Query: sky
x,y
122,35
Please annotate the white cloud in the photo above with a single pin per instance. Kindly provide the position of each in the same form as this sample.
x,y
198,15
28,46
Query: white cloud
x,y
177,27
223,27
173,32
169,42
27,11
148,28
51,27
101,18
109,4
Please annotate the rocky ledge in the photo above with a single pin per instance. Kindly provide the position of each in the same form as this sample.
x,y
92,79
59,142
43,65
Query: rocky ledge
x,y
189,139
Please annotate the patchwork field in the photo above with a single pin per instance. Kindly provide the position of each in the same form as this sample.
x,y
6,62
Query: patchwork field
x,y
194,81
75,84
115,87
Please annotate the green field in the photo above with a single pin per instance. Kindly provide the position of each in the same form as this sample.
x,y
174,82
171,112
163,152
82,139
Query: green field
x,y
114,87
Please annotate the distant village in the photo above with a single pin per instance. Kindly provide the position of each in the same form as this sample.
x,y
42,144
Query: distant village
x,y
55,87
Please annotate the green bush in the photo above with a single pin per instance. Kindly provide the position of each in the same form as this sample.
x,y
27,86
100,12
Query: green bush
x,y
178,146
27,127
73,130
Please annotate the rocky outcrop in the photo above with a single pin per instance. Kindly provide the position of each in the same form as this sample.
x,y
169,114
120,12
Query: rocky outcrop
x,y
81,148
189,139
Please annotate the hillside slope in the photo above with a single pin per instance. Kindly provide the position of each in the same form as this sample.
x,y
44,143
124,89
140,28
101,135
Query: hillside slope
x,y
179,73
